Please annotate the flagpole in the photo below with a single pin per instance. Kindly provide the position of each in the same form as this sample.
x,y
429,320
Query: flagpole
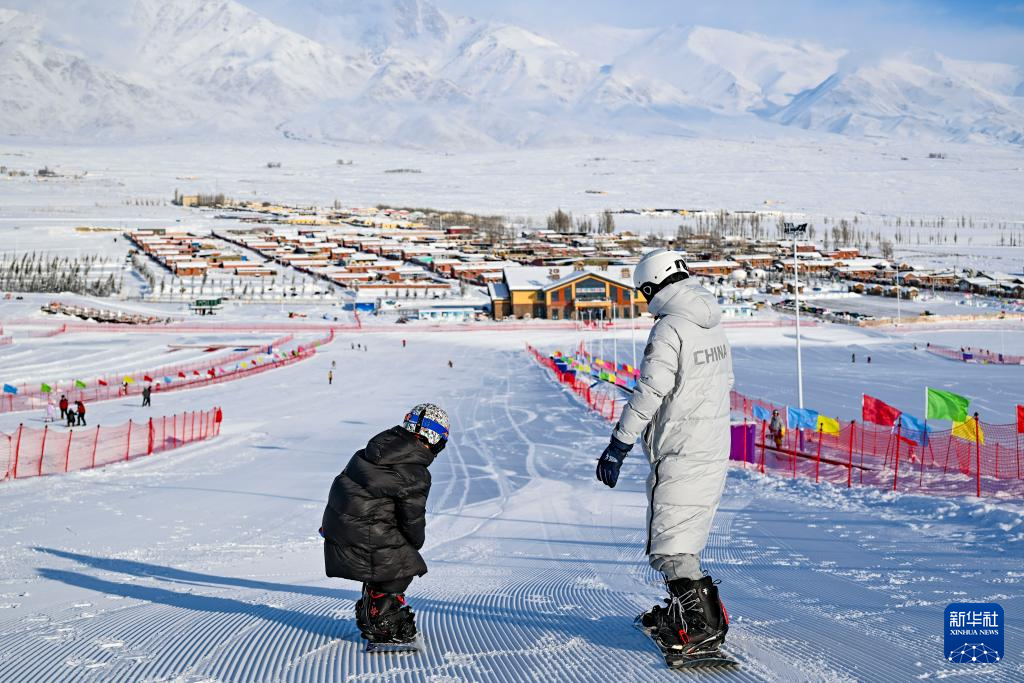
x,y
799,360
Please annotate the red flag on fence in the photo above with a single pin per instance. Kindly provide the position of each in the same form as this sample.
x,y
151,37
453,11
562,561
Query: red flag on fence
x,y
181,375
879,412
1020,419
102,382
211,372
195,372
147,378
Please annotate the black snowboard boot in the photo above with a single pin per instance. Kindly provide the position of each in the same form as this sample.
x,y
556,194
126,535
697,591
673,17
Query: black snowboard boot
x,y
385,618
694,620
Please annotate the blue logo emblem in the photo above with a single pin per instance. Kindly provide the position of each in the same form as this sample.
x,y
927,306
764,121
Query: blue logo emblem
x,y
974,633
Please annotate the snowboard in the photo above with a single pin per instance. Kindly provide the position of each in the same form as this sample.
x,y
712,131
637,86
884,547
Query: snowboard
x,y
412,646
677,660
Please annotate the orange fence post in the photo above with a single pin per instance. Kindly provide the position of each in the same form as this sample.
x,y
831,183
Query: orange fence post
x,y
817,464
849,464
17,451
896,469
128,444
95,442
977,451
42,450
67,451
149,446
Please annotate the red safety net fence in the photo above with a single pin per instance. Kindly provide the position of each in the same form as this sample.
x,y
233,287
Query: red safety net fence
x,y
867,454
195,376
861,454
601,397
969,354
31,452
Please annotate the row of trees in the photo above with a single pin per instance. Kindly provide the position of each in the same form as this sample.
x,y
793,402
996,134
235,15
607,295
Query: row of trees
x,y
43,273
563,222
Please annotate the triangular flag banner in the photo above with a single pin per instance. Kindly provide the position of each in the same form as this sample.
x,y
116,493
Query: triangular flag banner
x,y
8,389
45,388
969,430
945,405
102,382
128,380
79,384
195,372
828,425
761,413
181,375
878,412
167,380
147,378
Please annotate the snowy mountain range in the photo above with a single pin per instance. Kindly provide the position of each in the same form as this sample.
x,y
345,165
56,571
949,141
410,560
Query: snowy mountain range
x,y
404,72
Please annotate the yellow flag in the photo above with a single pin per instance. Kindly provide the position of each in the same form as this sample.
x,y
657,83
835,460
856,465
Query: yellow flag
x,y
827,425
128,380
969,430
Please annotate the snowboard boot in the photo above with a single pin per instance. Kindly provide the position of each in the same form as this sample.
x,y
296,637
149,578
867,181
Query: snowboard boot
x,y
694,620
385,618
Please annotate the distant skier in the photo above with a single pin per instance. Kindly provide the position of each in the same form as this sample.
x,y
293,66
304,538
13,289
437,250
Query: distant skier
x,y
80,409
330,377
403,343
776,429
680,409
853,358
63,406
147,395
375,521
450,364
869,360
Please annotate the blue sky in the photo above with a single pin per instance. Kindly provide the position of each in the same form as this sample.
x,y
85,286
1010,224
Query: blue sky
x,y
991,30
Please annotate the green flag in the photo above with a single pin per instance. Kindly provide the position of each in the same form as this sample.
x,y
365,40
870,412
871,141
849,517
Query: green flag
x,y
46,388
945,405
79,384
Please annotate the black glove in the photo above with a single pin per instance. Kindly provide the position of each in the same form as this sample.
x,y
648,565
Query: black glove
x,y
610,461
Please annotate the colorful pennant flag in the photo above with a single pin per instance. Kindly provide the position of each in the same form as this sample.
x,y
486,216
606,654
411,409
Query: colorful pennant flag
x,y
828,425
945,405
181,375
102,382
128,380
195,372
878,412
167,380
913,429
45,388
761,413
8,389
79,384
147,378
801,418
969,430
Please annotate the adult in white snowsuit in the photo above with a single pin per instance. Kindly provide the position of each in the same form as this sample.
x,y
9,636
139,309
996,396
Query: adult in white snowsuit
x,y
680,411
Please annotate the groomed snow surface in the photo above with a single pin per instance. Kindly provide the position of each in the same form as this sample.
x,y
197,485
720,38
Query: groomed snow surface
x,y
205,564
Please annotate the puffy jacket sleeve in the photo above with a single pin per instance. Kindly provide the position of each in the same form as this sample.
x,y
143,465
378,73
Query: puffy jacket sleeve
x,y
411,511
658,375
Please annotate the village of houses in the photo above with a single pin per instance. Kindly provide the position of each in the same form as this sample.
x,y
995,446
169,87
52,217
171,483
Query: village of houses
x,y
389,261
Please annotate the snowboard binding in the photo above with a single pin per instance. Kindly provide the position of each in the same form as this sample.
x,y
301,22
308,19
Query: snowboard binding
x,y
690,629
384,619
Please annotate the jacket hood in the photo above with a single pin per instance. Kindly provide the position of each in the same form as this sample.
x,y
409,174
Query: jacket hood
x,y
687,299
397,446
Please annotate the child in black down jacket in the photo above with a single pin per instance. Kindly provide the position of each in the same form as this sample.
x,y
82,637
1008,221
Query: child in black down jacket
x,y
374,524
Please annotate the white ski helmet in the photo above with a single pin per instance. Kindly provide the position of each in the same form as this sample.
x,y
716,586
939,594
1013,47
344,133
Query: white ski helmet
x,y
658,269
429,421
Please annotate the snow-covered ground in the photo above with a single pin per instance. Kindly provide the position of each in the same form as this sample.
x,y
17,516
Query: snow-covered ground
x,y
205,565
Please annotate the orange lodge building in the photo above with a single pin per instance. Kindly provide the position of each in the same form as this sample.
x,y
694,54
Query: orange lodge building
x,y
566,293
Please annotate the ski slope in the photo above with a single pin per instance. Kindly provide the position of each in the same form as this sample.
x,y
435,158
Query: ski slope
x,y
205,564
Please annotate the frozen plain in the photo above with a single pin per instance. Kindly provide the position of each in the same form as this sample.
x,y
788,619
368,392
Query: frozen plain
x,y
204,564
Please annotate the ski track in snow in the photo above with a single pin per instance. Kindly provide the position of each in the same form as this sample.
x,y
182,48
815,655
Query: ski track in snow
x,y
205,565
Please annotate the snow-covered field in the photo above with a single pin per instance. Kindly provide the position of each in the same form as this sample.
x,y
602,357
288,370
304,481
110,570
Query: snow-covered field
x,y
205,565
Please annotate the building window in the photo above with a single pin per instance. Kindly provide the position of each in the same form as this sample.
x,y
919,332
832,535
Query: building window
x,y
554,314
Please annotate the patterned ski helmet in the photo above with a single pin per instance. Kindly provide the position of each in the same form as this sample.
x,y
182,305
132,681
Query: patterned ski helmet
x,y
429,421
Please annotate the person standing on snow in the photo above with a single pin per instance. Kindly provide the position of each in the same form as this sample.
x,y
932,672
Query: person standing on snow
x,y
63,406
680,410
375,521
147,395
80,409
776,429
